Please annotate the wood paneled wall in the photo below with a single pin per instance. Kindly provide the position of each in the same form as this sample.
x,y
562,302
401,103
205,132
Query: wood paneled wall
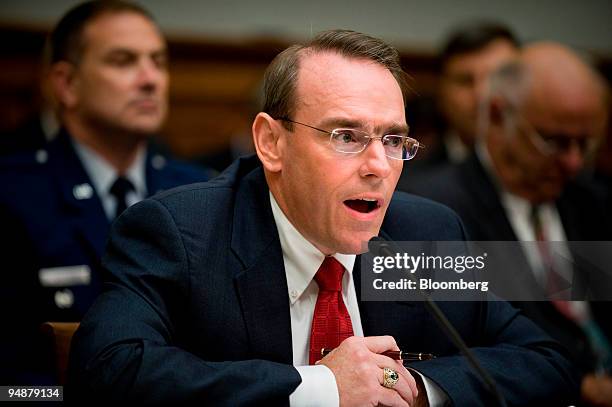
x,y
212,92
213,85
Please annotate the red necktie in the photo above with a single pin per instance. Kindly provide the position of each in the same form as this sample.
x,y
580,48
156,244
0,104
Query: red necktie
x,y
555,283
331,323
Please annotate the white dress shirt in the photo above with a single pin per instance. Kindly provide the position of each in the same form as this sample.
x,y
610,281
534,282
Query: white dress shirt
x,y
302,261
518,212
456,150
103,175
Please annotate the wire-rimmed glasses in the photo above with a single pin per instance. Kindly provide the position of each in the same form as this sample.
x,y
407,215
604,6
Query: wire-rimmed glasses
x,y
555,144
353,141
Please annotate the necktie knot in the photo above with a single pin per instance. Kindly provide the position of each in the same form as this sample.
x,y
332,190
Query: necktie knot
x,y
120,188
329,275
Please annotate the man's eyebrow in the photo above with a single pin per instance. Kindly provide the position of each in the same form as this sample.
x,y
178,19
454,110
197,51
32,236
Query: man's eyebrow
x,y
397,128
334,123
119,51
131,51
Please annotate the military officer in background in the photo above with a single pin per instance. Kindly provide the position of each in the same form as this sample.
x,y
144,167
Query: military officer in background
x,y
108,72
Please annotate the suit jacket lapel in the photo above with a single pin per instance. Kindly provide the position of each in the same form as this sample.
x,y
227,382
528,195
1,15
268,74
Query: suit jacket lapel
x,y
483,191
78,195
405,321
387,317
262,285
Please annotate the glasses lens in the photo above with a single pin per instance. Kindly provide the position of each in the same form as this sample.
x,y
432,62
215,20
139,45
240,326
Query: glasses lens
x,y
563,144
411,147
355,141
560,143
394,146
348,140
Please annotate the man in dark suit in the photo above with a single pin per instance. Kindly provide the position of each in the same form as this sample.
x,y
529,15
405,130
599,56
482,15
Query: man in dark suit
x,y
470,53
220,293
543,114
109,75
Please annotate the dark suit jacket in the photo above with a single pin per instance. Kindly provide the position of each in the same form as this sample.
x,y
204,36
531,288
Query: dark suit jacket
x,y
468,190
46,224
197,310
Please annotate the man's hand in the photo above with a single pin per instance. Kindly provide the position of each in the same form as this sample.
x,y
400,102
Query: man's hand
x,y
597,390
358,368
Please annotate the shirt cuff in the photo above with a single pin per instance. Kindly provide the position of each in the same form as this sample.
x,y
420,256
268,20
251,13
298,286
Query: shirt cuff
x,y
318,387
435,395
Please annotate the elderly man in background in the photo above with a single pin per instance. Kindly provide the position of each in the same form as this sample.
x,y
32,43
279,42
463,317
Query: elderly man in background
x,y
542,117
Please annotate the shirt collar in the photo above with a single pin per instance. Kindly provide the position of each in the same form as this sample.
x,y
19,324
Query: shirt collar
x,y
455,148
301,258
102,174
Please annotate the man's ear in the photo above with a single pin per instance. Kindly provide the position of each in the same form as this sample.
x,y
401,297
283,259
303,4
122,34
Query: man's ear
x,y
63,83
267,141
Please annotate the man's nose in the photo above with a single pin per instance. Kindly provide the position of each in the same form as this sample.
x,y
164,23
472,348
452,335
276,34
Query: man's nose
x,y
572,158
149,74
479,86
376,163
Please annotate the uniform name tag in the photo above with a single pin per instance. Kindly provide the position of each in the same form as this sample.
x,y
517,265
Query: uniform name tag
x,y
65,276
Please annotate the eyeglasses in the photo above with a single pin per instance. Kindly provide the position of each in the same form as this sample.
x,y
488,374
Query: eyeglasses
x,y
556,144
353,141
560,144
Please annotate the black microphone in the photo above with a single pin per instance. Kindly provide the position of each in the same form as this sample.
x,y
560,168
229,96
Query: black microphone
x,y
446,326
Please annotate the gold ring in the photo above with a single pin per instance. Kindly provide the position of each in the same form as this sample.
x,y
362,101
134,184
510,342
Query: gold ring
x,y
390,378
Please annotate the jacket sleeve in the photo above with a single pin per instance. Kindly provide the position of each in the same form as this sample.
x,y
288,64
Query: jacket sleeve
x,y
126,347
528,367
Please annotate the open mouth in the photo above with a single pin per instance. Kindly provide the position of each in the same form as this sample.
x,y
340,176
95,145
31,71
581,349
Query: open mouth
x,y
363,205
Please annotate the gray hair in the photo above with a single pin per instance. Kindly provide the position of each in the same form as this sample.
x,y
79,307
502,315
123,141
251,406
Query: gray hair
x,y
510,84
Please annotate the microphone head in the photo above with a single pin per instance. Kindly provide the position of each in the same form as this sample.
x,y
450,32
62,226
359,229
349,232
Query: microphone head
x,y
380,246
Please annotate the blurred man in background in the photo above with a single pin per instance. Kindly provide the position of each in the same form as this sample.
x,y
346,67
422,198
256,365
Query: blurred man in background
x,y
541,119
108,72
469,55
467,59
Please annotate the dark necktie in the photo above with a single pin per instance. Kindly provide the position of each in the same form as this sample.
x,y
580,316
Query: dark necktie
x,y
580,314
556,285
120,188
331,322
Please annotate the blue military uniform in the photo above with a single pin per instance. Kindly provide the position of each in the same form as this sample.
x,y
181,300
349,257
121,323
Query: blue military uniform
x,y
56,229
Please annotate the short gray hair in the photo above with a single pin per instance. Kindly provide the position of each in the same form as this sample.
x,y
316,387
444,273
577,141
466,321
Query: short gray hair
x,y
509,83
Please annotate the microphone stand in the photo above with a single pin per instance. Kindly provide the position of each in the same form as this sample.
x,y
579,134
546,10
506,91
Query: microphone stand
x,y
449,330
